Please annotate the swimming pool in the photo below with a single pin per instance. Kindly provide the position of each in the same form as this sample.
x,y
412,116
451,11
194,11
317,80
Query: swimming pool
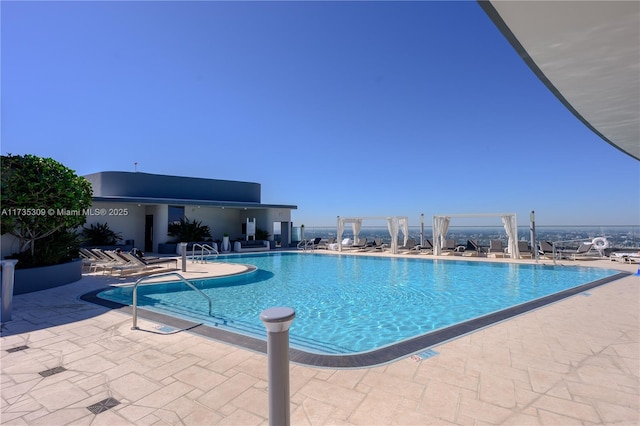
x,y
356,304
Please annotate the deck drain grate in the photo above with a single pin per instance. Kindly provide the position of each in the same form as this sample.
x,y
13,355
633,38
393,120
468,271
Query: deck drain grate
x,y
165,329
103,405
52,371
424,355
586,294
18,348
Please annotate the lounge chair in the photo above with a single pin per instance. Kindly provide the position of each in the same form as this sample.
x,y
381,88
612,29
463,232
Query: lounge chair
x,y
625,257
346,243
315,242
524,249
449,247
546,249
92,261
142,263
584,252
362,242
425,248
309,244
473,249
496,248
327,244
376,245
410,245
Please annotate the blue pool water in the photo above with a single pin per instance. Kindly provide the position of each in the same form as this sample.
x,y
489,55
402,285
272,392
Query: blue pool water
x,y
350,304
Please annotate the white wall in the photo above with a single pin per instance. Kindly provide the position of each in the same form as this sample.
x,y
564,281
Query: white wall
x,y
129,221
125,219
219,221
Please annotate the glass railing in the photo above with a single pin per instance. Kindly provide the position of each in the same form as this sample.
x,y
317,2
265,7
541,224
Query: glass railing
x,y
619,237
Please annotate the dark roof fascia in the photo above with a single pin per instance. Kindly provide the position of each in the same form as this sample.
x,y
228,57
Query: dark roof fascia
x,y
522,52
189,202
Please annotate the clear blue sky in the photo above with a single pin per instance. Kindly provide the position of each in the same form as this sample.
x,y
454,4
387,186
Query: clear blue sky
x,y
341,108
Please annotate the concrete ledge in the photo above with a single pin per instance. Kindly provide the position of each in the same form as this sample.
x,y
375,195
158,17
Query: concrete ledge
x,y
36,279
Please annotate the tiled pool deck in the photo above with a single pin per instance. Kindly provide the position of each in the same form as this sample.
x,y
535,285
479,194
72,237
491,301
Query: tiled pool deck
x,y
576,361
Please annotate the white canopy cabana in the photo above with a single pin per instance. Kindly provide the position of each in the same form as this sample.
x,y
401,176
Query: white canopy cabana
x,y
394,225
441,226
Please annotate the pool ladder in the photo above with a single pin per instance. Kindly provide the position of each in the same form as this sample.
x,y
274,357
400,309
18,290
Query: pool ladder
x,y
150,277
203,247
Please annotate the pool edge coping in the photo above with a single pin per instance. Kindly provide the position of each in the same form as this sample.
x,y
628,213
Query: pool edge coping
x,y
367,359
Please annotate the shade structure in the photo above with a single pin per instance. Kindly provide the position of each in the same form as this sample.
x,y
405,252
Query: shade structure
x,y
587,53
395,224
441,226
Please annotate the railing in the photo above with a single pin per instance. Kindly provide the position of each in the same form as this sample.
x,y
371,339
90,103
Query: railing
x,y
175,274
210,250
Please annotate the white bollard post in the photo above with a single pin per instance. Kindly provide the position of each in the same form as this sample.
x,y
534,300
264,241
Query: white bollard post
x,y
277,321
183,250
8,279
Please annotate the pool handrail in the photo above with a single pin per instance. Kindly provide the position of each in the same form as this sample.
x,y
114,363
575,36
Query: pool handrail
x,y
167,274
210,250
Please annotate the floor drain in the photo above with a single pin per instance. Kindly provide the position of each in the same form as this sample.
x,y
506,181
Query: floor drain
x,y
103,405
586,294
18,348
424,355
165,329
52,371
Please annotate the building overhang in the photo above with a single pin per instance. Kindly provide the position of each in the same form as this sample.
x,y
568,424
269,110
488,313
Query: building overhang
x,y
192,202
587,53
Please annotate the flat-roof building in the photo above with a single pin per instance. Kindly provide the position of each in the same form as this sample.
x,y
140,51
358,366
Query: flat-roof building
x,y
140,206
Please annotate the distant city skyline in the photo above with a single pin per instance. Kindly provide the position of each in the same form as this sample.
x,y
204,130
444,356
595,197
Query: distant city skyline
x,y
341,108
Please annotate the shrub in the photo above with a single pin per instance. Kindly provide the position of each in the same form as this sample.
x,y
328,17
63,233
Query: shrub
x,y
186,230
100,235
42,203
261,234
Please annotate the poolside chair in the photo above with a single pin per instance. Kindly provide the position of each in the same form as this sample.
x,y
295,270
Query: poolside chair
x,y
625,257
376,245
135,260
496,248
524,249
309,244
315,242
92,261
427,248
584,252
134,264
410,245
108,260
362,242
546,249
326,244
473,249
449,247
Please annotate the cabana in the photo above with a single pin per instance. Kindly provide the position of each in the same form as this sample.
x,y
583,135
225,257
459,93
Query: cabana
x,y
441,226
394,225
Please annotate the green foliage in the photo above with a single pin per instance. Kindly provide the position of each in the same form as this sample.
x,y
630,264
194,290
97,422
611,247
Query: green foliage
x,y
261,234
100,235
186,230
41,197
59,247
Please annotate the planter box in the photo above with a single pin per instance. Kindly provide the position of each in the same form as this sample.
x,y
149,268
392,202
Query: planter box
x,y
36,279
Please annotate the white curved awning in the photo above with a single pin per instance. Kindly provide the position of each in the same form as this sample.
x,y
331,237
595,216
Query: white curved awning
x,y
587,53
